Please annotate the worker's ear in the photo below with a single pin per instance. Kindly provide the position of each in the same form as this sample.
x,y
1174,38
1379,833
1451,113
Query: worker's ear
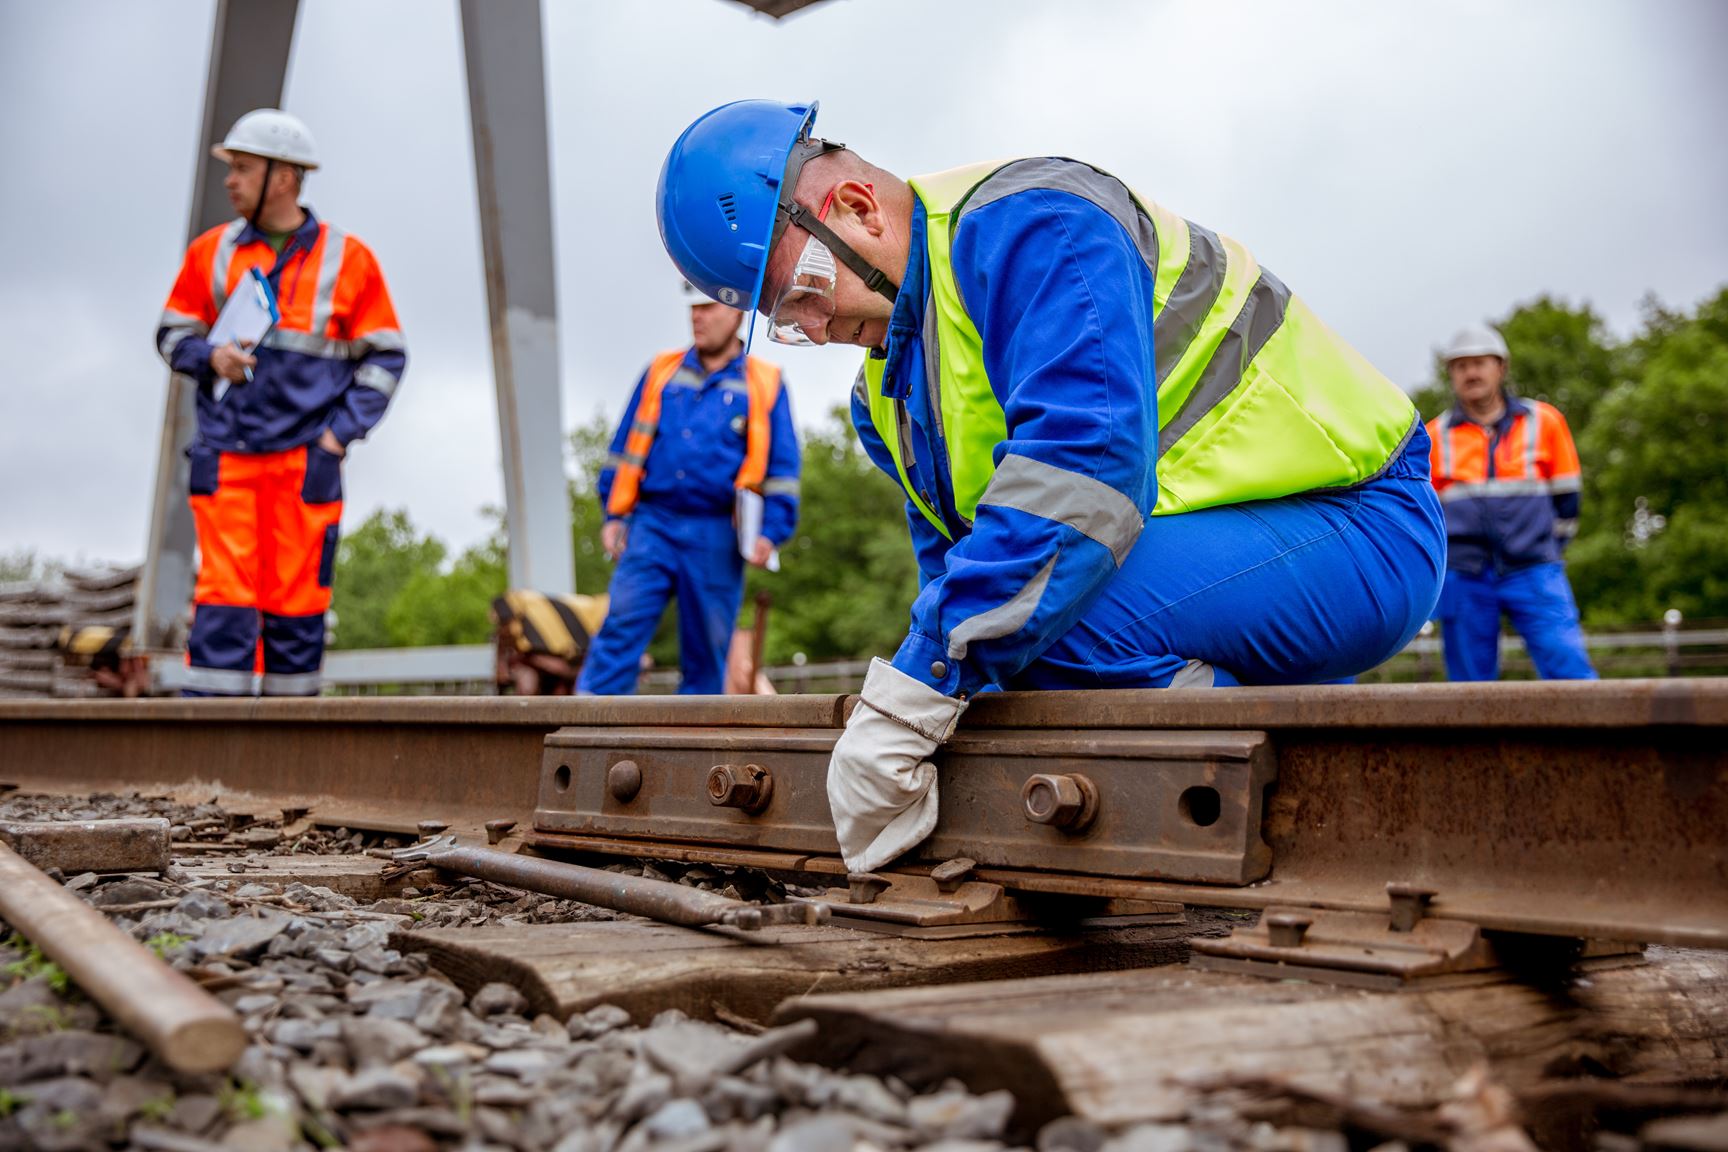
x,y
858,199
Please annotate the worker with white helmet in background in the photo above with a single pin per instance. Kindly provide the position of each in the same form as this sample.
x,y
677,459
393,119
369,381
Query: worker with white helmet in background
x,y
274,420
1508,478
706,438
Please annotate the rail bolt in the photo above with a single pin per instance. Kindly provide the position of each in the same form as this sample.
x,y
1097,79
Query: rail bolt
x,y
746,787
623,781
1068,802
1409,904
496,830
1287,929
431,828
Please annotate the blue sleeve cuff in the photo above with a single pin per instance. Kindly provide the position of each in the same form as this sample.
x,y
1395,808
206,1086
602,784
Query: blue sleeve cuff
x,y
192,358
927,661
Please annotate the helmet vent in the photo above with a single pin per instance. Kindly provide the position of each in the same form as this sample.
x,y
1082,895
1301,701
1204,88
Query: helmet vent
x,y
729,209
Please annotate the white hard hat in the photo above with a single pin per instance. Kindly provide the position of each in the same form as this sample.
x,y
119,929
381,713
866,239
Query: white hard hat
x,y
272,134
1476,340
691,294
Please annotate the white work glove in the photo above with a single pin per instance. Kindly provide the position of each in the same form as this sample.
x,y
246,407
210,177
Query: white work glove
x,y
881,784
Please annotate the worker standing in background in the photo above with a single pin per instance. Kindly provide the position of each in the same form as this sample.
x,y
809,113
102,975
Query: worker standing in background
x,y
1130,456
705,423
1508,478
274,422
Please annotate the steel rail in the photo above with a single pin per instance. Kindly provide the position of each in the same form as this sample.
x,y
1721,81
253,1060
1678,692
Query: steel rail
x,y
1572,808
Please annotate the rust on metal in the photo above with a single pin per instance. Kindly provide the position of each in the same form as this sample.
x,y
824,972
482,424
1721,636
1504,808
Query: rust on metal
x,y
1067,800
1143,828
638,895
130,845
623,781
746,787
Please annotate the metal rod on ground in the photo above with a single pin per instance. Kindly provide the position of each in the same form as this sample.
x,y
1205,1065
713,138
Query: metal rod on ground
x,y
656,899
190,1030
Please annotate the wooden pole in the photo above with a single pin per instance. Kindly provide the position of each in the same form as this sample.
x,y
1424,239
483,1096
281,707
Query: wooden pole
x,y
190,1030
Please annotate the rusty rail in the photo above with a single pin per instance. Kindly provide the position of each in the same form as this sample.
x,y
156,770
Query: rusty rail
x,y
1571,809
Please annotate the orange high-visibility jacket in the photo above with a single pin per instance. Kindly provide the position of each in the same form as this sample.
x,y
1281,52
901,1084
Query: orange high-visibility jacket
x,y
333,360
762,383
1510,492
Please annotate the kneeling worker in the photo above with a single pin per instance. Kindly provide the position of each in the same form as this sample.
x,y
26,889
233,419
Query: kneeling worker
x,y
1131,457
704,422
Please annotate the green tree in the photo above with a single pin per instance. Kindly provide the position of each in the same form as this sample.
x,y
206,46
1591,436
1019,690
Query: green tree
x,y
1655,534
848,576
453,607
374,564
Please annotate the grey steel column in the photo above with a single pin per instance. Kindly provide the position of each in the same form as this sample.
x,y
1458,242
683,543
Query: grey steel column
x,y
249,51
502,45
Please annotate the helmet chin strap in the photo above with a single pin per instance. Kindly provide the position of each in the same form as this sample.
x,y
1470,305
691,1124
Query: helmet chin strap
x,y
263,191
791,212
874,278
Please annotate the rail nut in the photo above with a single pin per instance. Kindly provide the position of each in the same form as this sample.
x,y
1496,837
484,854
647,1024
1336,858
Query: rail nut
x,y
1068,802
623,781
747,787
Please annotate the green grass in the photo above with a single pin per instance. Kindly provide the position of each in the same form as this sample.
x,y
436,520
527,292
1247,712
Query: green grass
x,y
33,964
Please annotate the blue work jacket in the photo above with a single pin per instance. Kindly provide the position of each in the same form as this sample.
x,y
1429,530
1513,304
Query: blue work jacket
x,y
1062,299
700,444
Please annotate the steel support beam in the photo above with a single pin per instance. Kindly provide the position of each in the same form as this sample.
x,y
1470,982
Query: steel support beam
x,y
249,50
502,46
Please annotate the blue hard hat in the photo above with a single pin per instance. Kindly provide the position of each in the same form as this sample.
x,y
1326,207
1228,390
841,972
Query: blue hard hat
x,y
720,191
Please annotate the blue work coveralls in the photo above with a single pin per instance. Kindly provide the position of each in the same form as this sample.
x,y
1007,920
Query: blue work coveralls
x,y
682,541
1511,493
1298,590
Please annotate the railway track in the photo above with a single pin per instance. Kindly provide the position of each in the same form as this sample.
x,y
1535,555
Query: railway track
x,y
1456,847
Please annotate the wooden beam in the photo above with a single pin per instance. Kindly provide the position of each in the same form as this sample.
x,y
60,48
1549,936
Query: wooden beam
x,y
1128,1047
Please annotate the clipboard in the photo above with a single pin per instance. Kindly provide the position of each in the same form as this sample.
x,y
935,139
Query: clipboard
x,y
247,317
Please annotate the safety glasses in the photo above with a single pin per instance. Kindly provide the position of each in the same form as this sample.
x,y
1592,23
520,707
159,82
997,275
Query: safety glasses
x,y
806,304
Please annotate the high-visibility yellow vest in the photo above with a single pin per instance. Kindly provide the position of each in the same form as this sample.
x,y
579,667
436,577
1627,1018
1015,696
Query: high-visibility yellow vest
x,y
1257,399
762,388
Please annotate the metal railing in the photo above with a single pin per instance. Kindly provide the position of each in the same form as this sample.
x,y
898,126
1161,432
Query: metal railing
x,y
466,670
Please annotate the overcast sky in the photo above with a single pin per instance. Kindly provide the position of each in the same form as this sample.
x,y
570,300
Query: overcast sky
x,y
1407,167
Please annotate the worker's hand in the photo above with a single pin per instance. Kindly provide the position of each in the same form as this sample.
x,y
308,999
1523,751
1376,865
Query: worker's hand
x,y
327,441
762,552
881,784
612,537
230,362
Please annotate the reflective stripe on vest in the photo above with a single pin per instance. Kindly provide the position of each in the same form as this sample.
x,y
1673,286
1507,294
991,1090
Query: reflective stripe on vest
x,y
300,329
1256,398
761,383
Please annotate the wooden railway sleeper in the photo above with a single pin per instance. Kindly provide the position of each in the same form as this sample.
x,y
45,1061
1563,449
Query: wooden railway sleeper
x,y
638,895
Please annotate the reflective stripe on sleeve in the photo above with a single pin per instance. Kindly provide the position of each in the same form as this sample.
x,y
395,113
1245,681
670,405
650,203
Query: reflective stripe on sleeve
x,y
781,486
1088,506
376,378
1004,619
380,340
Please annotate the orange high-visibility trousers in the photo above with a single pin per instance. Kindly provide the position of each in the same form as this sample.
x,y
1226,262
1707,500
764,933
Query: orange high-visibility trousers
x,y
267,533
